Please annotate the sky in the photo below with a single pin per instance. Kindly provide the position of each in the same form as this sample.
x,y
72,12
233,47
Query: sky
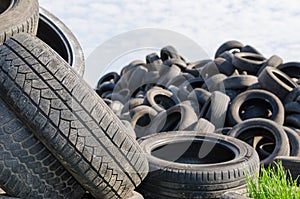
x,y
272,27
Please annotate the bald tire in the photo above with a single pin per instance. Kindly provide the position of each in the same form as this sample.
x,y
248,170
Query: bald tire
x,y
18,16
67,115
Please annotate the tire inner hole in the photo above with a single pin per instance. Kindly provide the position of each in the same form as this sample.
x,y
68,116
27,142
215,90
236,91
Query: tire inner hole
x,y
283,79
5,5
256,108
256,136
171,122
164,101
187,152
47,34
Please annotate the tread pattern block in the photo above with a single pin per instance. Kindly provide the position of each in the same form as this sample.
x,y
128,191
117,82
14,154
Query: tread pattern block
x,y
30,25
69,118
27,168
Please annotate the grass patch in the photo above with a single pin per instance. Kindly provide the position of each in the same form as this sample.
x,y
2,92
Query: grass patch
x,y
273,182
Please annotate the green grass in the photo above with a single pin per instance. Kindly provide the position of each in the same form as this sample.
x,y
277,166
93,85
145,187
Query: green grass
x,y
273,183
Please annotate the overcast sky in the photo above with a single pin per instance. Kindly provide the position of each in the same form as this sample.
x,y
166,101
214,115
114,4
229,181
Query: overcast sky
x,y
272,27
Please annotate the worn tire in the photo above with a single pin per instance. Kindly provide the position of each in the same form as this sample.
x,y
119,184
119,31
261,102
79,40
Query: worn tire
x,y
227,46
28,169
253,130
69,118
176,171
60,38
255,104
277,82
18,16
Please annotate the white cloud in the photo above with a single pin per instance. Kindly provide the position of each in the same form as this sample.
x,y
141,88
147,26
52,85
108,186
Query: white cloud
x,y
271,26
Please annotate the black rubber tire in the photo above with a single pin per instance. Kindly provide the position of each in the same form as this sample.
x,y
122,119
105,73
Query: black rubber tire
x,y
291,69
249,129
277,82
250,49
224,66
227,46
215,109
28,169
112,77
255,104
249,62
160,99
18,16
293,120
292,107
292,96
178,117
67,115
141,118
178,171
239,82
169,52
273,61
291,164
294,141
60,38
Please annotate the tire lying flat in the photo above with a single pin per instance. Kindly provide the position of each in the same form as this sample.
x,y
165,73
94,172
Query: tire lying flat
x,y
28,169
69,118
177,172
18,16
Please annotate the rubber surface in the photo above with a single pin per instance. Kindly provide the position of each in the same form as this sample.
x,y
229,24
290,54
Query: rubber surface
x,y
27,167
69,118
60,38
20,16
180,166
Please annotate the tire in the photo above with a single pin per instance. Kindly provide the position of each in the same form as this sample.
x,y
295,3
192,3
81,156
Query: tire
x,y
160,99
141,118
69,118
250,49
176,171
60,38
224,66
294,141
291,69
291,164
253,130
178,117
277,82
255,104
273,61
28,169
18,16
239,82
215,109
227,46
249,62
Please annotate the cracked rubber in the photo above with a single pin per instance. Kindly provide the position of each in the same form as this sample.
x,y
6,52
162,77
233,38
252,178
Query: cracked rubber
x,y
21,16
28,169
69,118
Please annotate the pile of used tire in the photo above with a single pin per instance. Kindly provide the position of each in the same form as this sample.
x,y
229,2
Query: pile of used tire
x,y
163,128
185,115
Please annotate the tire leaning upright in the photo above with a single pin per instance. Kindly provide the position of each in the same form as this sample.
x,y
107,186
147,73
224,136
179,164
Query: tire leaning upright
x,y
68,116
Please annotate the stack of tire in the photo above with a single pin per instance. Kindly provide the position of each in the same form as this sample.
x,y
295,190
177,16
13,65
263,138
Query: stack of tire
x,y
58,139
179,110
